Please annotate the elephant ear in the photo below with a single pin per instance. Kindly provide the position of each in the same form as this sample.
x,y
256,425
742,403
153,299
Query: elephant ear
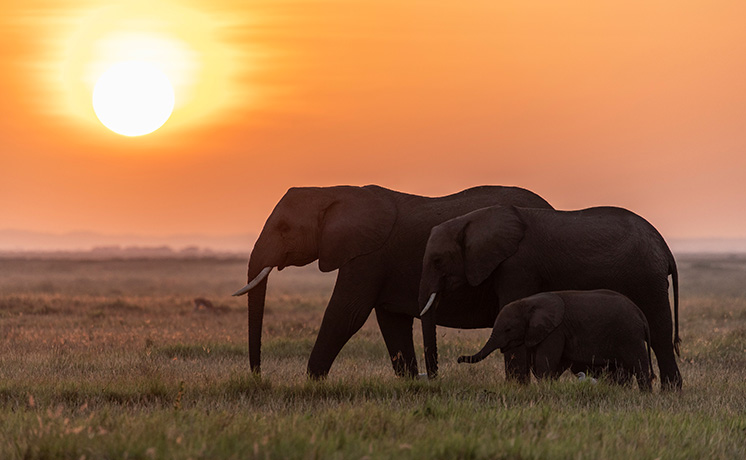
x,y
491,235
547,313
358,221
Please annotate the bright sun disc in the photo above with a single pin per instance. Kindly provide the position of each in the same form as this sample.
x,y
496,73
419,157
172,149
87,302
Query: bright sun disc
x,y
133,98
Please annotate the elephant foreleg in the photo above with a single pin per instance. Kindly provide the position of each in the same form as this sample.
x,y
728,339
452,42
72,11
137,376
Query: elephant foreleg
x,y
349,307
397,333
547,357
517,364
430,341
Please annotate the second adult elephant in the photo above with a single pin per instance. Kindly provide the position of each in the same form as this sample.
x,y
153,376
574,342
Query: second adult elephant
x,y
519,252
376,238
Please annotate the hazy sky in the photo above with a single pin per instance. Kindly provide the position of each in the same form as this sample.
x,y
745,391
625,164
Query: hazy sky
x,y
640,104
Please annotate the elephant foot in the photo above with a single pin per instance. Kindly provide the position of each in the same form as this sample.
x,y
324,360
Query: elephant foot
x,y
520,379
670,379
316,374
671,384
403,368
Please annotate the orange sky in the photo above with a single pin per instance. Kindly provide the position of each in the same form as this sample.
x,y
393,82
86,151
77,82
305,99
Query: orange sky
x,y
640,104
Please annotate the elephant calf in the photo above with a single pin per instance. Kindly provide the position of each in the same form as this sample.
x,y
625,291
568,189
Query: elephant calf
x,y
575,329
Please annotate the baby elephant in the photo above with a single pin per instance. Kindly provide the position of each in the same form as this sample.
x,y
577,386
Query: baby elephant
x,y
582,330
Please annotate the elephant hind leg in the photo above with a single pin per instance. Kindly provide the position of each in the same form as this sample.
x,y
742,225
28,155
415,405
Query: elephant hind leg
x,y
635,365
617,372
669,370
397,334
642,374
661,333
638,363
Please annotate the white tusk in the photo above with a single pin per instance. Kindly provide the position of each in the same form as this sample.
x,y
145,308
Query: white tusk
x,y
262,274
429,304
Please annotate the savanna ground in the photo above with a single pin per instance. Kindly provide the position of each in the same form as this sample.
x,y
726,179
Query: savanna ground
x,y
107,359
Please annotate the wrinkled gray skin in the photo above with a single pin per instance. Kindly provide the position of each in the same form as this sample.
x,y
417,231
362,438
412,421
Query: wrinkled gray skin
x,y
582,330
376,238
519,252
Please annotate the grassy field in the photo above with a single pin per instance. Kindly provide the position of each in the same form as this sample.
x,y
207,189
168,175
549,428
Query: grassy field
x,y
107,359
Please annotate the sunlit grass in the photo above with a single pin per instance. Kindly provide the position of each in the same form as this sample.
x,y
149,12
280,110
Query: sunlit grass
x,y
95,365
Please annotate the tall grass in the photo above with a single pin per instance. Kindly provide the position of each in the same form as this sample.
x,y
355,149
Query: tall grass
x,y
108,359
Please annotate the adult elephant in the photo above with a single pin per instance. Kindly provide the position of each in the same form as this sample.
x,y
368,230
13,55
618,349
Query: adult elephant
x,y
376,238
519,252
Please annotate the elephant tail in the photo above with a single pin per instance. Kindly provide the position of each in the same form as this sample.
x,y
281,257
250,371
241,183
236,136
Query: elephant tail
x,y
675,281
650,356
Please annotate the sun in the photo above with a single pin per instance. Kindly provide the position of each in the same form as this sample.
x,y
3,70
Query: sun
x,y
133,98
185,53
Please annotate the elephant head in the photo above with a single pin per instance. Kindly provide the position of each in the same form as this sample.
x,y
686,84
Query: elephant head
x,y
331,224
524,322
468,249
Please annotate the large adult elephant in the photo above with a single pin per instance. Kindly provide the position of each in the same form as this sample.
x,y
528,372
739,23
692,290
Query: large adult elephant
x,y
376,238
519,252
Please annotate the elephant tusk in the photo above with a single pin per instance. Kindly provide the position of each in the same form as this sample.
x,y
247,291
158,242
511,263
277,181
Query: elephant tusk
x,y
263,274
429,303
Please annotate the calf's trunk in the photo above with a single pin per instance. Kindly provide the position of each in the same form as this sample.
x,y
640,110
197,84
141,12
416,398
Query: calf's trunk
x,y
491,345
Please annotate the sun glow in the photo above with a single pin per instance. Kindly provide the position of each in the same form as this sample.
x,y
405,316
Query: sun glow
x,y
196,72
133,98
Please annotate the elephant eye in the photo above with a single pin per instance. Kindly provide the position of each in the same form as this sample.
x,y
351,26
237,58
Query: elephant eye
x,y
438,263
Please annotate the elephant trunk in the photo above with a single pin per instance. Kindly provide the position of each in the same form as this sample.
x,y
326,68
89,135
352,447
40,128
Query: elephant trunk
x,y
431,285
491,345
428,300
429,336
258,275
256,316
